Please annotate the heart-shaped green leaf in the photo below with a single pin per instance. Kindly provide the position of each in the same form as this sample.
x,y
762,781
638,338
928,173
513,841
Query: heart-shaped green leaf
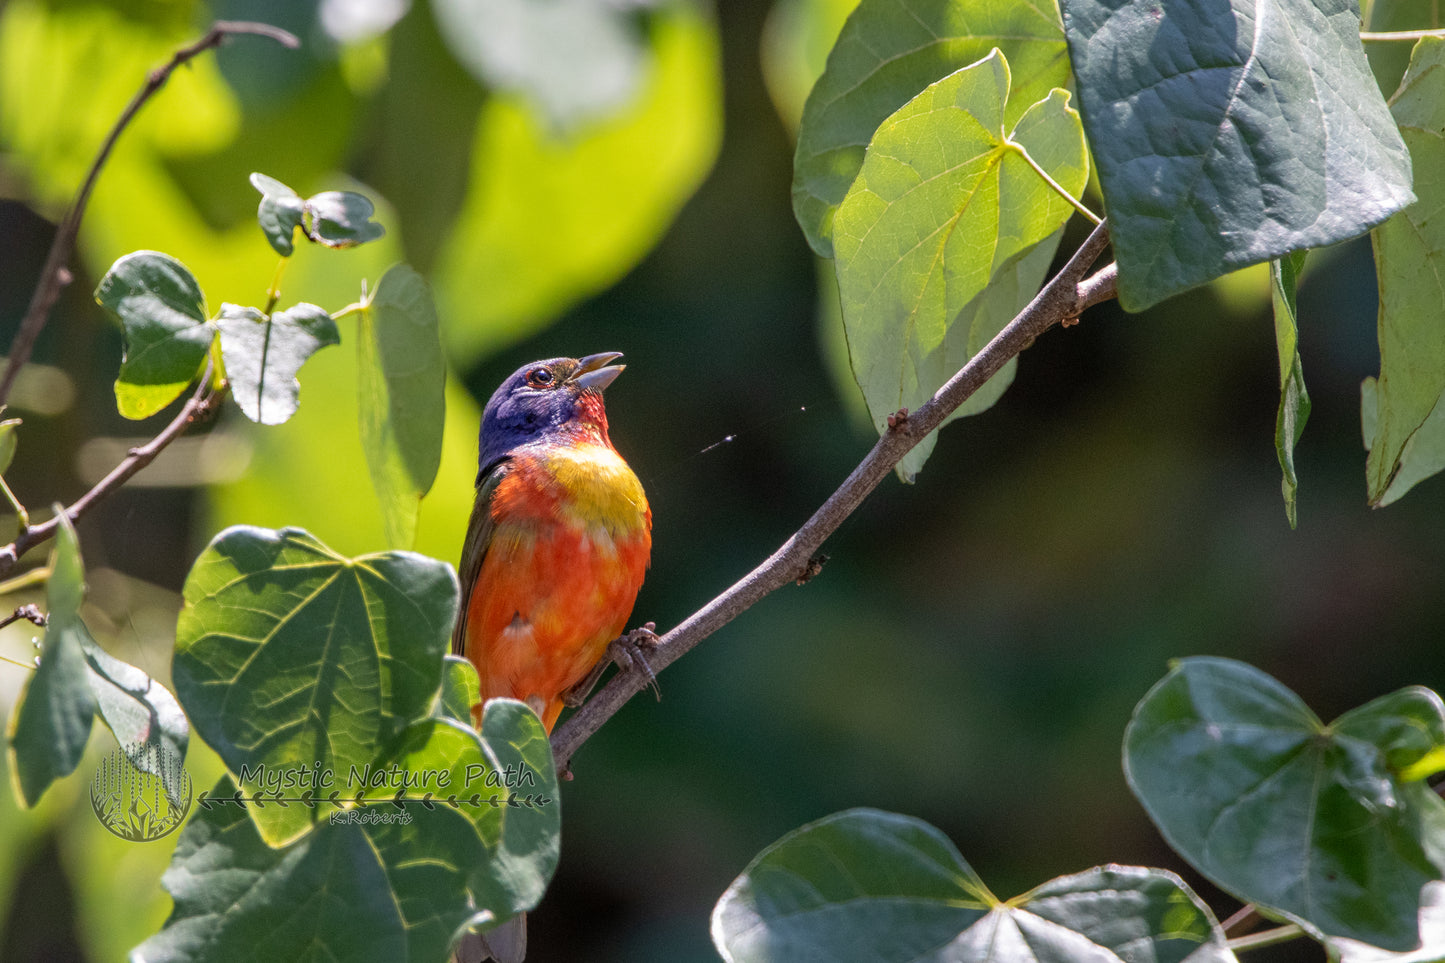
x,y
1410,263
947,232
1313,821
887,52
1230,133
262,357
1294,400
280,213
163,313
873,886
291,657
401,393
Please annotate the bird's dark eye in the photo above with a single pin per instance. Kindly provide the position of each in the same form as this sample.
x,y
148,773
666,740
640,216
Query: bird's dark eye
x,y
541,377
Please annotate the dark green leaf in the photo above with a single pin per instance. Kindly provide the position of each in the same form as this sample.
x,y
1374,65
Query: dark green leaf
x,y
947,232
1410,263
326,897
161,308
51,725
873,886
526,856
461,689
575,59
1294,400
888,51
146,719
290,656
341,219
1230,133
281,212
401,382
1312,821
487,837
262,358
1432,936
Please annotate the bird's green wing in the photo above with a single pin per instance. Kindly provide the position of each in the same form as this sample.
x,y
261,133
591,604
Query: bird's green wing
x,y
479,536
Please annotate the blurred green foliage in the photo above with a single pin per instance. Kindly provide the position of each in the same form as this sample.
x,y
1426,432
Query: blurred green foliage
x,y
971,653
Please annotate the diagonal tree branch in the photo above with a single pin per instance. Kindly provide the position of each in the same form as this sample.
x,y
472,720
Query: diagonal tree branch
x,y
54,276
201,405
1061,301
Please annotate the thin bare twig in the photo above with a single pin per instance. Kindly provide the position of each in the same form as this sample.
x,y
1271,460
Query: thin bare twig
x,y
200,406
1244,919
1063,298
30,613
54,276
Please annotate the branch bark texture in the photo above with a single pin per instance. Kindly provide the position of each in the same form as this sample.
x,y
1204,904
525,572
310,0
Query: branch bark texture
x,y
1061,300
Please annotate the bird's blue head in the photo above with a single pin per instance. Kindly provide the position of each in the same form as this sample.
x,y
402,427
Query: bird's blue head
x,y
558,397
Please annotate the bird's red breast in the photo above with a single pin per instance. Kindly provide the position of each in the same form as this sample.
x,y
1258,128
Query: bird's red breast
x,y
566,535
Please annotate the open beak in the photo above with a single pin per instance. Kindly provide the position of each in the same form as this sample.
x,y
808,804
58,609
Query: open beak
x,y
594,371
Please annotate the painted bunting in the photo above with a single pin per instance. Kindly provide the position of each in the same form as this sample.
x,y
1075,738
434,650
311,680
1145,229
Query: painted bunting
x,y
559,538
556,549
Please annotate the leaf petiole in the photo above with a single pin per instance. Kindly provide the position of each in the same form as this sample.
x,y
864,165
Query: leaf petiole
x,y
1055,185
1368,37
1280,934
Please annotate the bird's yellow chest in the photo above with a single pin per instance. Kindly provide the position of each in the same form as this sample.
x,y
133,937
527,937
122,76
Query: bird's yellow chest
x,y
597,489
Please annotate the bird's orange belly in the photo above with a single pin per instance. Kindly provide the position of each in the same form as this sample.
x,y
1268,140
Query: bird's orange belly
x,y
547,601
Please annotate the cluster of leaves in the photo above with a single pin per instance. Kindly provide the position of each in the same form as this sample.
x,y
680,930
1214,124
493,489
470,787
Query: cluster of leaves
x,y
293,661
1330,827
919,163
170,337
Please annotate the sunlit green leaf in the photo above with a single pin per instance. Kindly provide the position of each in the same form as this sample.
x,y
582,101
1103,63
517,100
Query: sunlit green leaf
x,y
947,232
341,219
262,358
575,59
873,886
888,51
1294,400
461,689
1410,264
161,308
1228,134
1390,59
290,656
51,725
401,394
1313,821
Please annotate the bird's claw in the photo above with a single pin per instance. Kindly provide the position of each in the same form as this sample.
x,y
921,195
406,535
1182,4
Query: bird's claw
x,y
898,419
627,652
